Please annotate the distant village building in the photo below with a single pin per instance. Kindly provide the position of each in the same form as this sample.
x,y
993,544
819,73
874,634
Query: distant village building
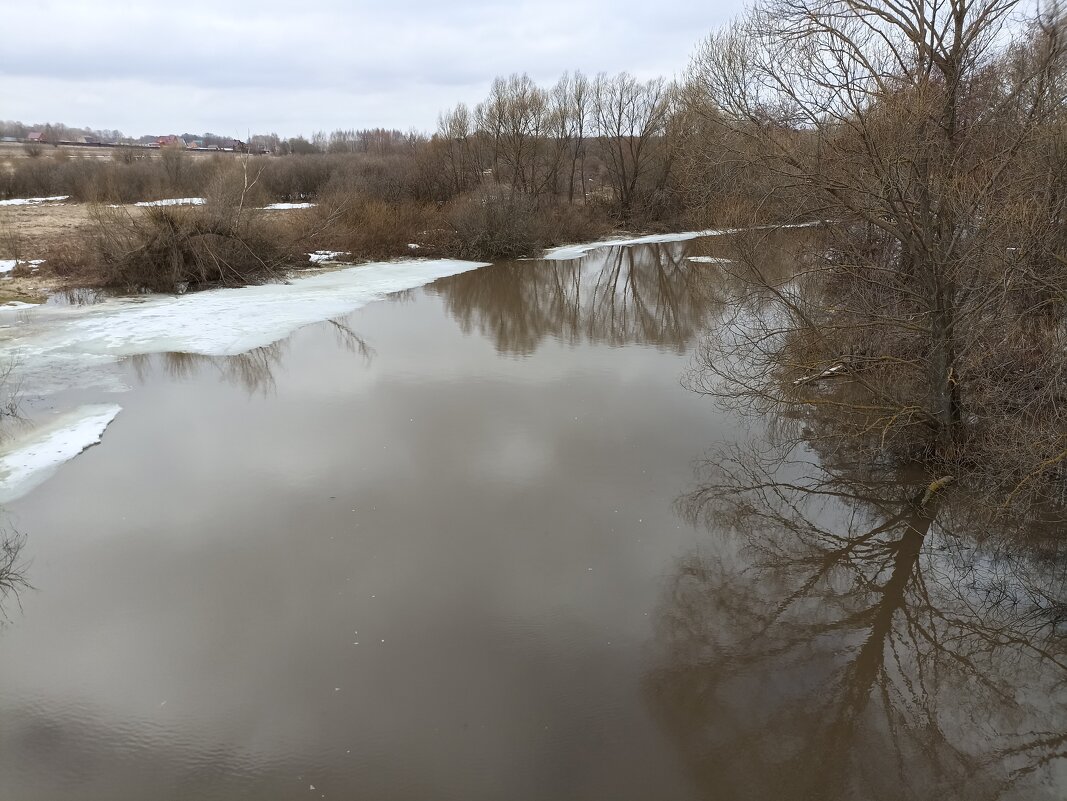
x,y
170,141
35,136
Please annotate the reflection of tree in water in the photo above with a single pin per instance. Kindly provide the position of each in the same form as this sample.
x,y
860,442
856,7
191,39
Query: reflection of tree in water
x,y
253,370
851,639
648,295
12,569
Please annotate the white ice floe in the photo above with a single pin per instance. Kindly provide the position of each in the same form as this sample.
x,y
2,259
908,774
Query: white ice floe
x,y
571,252
17,304
173,201
326,255
220,322
709,260
33,201
285,206
32,459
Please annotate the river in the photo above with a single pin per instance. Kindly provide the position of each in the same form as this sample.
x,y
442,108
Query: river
x,y
459,542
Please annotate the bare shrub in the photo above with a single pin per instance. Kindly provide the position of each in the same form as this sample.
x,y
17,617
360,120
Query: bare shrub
x,y
373,228
170,248
495,223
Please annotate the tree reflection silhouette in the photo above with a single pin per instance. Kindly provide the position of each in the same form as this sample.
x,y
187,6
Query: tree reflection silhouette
x,y
843,639
252,370
639,295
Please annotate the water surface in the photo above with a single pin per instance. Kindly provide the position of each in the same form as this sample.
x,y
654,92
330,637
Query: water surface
x,y
453,545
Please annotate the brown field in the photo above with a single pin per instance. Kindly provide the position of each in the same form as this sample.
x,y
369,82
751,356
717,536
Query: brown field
x,y
10,152
26,232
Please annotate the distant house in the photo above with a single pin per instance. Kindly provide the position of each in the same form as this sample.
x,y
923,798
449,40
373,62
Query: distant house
x,y
8,139
89,140
35,136
170,141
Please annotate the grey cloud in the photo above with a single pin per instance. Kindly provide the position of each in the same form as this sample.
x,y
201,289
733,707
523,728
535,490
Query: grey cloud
x,y
293,67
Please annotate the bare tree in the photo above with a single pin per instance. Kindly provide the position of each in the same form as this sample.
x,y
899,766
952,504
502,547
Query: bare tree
x,y
913,129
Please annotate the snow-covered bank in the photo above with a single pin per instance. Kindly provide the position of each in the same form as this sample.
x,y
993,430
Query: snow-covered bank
x,y
31,459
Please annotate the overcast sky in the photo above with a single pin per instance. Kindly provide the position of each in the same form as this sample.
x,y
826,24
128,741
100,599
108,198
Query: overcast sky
x,y
295,67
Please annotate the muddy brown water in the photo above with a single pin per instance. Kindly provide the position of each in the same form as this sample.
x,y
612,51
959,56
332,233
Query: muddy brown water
x,y
440,549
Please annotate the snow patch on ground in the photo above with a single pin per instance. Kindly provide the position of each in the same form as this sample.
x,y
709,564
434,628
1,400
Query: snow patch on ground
x,y
28,462
284,206
173,201
33,201
7,265
709,260
320,256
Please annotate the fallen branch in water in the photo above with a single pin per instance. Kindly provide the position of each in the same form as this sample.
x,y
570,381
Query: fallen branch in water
x,y
934,488
836,371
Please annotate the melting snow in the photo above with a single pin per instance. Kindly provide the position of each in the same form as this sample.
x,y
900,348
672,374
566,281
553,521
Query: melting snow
x,y
570,252
221,322
32,201
56,348
709,260
35,457
284,206
7,265
173,201
326,255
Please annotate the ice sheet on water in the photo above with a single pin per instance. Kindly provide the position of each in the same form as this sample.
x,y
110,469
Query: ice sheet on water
x,y
223,322
569,252
34,457
33,201
56,348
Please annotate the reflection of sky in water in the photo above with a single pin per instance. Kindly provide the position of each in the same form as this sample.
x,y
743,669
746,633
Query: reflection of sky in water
x,y
502,523
485,479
